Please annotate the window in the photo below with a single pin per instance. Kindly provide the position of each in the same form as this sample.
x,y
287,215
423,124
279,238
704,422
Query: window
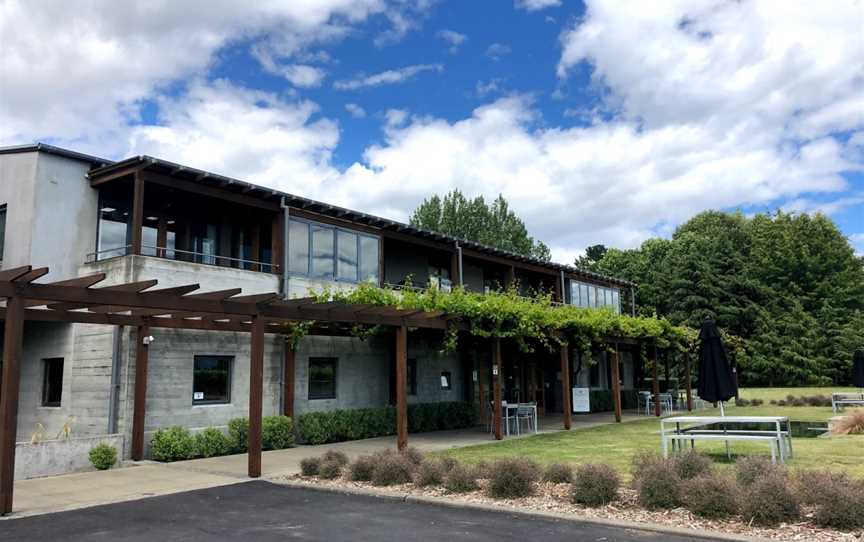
x,y
298,247
616,301
328,252
412,376
322,378
322,252
113,233
369,259
211,380
52,382
346,264
2,230
446,380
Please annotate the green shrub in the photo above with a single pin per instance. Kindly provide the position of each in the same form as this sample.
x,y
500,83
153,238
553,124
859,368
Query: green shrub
x,y
238,434
461,480
750,469
512,478
430,473
658,483
558,473
172,444
392,469
335,456
361,469
769,501
103,456
330,470
212,442
595,485
309,466
711,496
277,432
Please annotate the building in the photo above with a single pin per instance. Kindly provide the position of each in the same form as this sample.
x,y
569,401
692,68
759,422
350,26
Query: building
x,y
144,218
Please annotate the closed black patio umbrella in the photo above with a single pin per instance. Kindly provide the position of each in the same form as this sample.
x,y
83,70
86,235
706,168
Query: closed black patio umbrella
x,y
858,368
716,382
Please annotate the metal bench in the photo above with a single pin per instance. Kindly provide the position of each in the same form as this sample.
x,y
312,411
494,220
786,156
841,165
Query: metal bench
x,y
694,428
839,400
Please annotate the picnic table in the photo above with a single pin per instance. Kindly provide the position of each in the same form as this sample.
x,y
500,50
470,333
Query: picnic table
x,y
678,429
840,399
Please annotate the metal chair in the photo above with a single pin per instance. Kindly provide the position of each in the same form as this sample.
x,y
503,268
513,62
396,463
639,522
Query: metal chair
x,y
525,412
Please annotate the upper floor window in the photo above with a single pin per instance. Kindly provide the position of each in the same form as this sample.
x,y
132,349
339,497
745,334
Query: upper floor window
x,y
590,295
323,251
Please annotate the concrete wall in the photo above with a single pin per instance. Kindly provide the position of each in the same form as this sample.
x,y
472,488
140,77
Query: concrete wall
x,y
18,192
53,457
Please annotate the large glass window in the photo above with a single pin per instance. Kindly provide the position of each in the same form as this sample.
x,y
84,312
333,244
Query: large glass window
x,y
113,231
346,264
369,259
328,252
211,380
52,382
298,247
322,378
322,252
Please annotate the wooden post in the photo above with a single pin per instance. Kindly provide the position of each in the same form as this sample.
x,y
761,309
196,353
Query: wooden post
x,y
288,380
161,237
687,381
256,392
277,228
565,386
401,387
139,408
12,345
616,383
454,268
496,388
655,384
481,373
137,212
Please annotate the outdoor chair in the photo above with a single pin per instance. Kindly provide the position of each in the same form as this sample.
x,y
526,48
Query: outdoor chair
x,y
526,413
666,406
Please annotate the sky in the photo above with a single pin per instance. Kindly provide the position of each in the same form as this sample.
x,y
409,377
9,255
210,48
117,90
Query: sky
x,y
600,122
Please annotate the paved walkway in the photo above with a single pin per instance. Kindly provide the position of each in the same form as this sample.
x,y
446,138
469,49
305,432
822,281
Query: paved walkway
x,y
147,479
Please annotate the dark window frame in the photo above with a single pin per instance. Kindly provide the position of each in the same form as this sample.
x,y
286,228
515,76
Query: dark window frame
x,y
48,387
229,382
317,395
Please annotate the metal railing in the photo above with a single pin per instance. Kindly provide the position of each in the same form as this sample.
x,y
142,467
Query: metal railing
x,y
171,254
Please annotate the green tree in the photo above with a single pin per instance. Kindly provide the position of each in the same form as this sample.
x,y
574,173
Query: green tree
x,y
592,257
474,220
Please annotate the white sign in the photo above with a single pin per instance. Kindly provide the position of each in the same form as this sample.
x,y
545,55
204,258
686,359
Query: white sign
x,y
581,400
495,370
474,376
198,395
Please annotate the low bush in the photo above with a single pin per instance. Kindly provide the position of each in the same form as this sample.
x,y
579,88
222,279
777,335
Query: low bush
x,y
212,442
711,496
750,469
430,473
658,483
238,434
756,402
852,423
413,455
392,469
595,485
360,470
842,506
483,469
335,456
692,464
769,501
461,480
277,432
330,469
812,486
172,444
103,456
558,473
309,466
512,478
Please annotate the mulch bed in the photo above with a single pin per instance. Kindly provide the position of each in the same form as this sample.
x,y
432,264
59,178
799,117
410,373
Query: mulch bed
x,y
554,498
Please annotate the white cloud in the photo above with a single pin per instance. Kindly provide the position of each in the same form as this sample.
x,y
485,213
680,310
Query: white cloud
x,y
497,50
830,207
485,88
536,5
355,110
455,39
388,77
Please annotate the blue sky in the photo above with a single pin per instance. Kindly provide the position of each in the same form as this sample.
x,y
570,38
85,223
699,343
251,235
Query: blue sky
x,y
601,123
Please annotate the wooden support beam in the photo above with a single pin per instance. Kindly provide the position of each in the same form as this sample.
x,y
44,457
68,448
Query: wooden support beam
x,y
137,217
256,395
655,384
565,385
496,388
481,374
402,387
616,383
12,349
688,382
161,236
288,369
139,408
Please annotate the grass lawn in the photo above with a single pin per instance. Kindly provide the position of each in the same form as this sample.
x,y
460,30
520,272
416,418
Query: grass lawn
x,y
767,394
616,444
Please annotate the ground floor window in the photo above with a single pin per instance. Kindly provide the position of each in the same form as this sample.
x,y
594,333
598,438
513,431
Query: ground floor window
x,y
52,382
322,378
211,380
446,380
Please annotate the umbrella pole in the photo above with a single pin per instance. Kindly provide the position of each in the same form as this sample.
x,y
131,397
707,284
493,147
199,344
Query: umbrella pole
x,y
723,415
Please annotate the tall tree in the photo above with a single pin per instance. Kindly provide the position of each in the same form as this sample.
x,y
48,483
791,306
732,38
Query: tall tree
x,y
474,220
592,257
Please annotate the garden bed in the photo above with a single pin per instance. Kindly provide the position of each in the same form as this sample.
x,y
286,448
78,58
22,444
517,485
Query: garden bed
x,y
554,498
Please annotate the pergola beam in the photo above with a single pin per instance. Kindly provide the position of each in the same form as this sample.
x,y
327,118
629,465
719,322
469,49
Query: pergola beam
x,y
256,396
13,335
565,385
401,387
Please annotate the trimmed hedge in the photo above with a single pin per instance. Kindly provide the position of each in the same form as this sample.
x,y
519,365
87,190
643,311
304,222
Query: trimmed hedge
x,y
172,444
362,423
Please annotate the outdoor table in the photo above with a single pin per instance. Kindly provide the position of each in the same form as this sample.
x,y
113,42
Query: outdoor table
x,y
692,428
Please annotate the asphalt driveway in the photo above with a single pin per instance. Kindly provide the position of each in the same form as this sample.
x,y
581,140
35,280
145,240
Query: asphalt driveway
x,y
262,511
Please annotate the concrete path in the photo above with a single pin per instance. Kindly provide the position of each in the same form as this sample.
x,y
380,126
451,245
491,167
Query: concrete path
x,y
262,511
147,479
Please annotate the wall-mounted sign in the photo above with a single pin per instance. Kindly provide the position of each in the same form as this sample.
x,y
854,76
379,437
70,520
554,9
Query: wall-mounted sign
x,y
495,370
474,375
198,395
581,400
